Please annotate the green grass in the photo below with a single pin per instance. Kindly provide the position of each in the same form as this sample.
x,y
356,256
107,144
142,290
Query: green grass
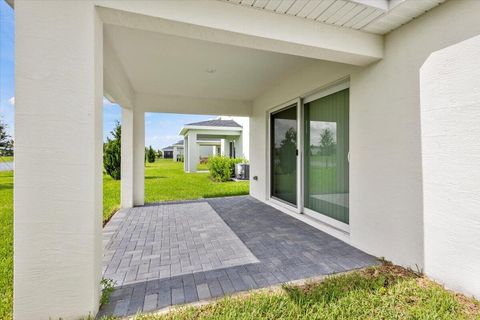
x,y
111,196
202,166
6,159
6,244
165,180
385,292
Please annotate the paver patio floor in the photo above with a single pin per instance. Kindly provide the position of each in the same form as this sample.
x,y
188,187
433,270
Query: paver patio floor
x,y
174,253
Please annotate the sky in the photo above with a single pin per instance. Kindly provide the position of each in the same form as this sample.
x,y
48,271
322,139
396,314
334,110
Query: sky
x,y
161,129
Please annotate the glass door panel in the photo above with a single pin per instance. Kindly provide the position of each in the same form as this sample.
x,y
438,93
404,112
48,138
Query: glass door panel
x,y
283,150
326,168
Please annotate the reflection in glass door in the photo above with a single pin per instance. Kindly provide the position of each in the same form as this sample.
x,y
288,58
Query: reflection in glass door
x,y
283,150
326,169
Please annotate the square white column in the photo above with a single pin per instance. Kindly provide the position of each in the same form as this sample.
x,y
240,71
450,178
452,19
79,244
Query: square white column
x,y
192,152
185,154
138,157
58,160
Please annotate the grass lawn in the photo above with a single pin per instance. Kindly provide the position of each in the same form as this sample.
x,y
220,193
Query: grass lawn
x,y
385,292
202,166
165,180
6,159
6,244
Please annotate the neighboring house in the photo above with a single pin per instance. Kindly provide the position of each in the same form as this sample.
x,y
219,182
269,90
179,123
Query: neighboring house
x,y
388,92
167,152
209,138
177,151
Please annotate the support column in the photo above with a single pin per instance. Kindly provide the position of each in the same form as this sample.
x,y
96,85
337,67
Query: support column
x,y
192,152
138,157
185,154
222,147
58,160
126,183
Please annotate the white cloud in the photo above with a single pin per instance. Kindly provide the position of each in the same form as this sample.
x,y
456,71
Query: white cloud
x,y
12,101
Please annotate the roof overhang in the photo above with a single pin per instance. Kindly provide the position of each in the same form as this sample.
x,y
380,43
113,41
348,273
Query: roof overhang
x,y
187,128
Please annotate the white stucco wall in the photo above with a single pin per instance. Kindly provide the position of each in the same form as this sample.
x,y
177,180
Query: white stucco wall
x,y
58,160
386,200
385,168
450,113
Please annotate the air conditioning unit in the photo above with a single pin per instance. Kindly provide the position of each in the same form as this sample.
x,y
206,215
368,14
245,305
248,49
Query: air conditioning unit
x,y
242,171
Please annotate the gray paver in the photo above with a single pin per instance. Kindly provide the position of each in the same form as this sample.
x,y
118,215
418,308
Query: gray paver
x,y
203,291
174,253
150,302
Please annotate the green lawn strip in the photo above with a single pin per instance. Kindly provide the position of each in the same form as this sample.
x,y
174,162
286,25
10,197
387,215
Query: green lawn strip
x,y
385,292
202,167
6,159
6,244
165,180
111,196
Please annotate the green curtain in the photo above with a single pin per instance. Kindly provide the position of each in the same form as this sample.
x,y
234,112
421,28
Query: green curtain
x,y
326,155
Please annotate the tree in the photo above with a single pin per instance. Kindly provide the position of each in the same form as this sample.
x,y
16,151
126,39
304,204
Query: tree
x,y
151,155
159,154
6,142
287,151
112,153
327,142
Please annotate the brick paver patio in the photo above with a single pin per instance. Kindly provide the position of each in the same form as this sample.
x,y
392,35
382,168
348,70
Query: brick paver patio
x,y
175,253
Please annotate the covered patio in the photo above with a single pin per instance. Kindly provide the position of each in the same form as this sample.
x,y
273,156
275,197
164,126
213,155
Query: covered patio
x,y
372,72
181,252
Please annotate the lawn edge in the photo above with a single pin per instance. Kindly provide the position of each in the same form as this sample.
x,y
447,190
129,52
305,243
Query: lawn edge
x,y
243,294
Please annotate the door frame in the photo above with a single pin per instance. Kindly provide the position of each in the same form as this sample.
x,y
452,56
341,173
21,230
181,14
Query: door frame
x,y
339,86
287,205
299,102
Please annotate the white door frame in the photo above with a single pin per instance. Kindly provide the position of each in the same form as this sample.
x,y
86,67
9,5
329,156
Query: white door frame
x,y
299,102
295,208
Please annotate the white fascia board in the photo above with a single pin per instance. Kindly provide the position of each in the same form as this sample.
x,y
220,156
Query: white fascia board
x,y
231,24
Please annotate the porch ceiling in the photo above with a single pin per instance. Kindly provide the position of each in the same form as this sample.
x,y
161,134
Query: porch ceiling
x,y
374,16
212,57
157,63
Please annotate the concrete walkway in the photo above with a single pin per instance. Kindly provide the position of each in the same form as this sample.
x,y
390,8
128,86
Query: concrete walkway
x,y
174,253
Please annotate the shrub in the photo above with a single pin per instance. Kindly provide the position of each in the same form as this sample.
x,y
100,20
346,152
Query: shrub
x,y
112,153
150,154
222,168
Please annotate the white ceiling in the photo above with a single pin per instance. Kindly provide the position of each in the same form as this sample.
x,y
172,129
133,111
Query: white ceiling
x,y
156,63
374,16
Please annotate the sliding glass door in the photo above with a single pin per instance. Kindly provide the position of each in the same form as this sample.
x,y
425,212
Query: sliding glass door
x,y
283,150
326,144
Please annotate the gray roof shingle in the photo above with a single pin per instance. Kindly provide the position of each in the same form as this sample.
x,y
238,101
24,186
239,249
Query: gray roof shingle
x,y
216,123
